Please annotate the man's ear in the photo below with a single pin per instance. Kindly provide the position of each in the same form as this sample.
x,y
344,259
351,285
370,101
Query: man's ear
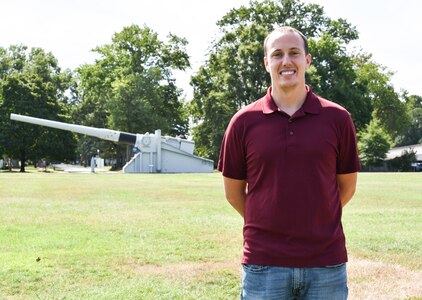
x,y
308,60
267,67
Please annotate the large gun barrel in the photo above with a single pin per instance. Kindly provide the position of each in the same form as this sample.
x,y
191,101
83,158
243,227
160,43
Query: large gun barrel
x,y
156,153
102,133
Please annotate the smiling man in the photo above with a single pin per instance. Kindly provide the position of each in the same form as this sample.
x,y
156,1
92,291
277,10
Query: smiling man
x,y
289,162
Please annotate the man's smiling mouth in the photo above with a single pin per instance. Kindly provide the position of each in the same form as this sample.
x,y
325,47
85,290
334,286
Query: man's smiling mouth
x,y
287,72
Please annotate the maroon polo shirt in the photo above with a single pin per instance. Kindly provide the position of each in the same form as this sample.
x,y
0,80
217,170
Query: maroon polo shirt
x,y
292,210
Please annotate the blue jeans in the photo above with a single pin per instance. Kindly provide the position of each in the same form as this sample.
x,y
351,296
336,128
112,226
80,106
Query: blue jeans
x,y
265,282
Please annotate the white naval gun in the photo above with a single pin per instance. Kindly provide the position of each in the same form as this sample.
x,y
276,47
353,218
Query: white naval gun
x,y
157,154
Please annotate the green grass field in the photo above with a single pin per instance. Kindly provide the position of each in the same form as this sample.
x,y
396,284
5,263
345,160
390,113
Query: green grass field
x,y
157,236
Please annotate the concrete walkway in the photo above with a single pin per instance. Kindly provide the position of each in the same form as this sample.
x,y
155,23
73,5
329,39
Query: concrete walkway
x,y
77,168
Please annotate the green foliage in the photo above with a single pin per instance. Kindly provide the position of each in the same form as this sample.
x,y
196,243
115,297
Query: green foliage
x,y
338,79
143,95
413,133
374,144
131,86
32,84
132,82
386,103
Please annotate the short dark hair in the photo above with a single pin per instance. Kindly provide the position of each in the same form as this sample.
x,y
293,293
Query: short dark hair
x,y
285,29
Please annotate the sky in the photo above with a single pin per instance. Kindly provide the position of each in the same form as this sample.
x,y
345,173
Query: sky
x,y
70,29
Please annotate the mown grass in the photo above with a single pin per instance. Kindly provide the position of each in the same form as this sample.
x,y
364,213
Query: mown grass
x,y
158,236
384,220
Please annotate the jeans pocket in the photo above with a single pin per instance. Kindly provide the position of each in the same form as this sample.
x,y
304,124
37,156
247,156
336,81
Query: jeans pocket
x,y
255,268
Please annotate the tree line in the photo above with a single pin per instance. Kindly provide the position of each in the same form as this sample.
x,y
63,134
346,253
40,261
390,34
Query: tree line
x,y
131,87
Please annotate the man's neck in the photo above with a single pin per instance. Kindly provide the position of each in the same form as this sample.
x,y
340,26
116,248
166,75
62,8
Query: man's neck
x,y
289,100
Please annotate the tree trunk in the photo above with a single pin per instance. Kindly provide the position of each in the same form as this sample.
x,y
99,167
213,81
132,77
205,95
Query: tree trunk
x,y
10,164
23,161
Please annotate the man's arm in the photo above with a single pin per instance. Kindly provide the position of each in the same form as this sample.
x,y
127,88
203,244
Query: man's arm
x,y
347,186
235,191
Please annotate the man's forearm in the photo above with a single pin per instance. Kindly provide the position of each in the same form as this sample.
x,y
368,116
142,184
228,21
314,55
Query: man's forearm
x,y
235,191
238,204
347,187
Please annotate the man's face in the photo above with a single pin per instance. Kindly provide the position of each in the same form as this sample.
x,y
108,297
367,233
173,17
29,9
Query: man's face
x,y
286,60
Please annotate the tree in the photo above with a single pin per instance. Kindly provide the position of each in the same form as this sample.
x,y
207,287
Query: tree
x,y
413,134
338,79
234,74
373,144
374,82
131,86
31,83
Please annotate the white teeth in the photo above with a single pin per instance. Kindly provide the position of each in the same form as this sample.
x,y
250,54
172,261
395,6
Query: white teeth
x,y
287,72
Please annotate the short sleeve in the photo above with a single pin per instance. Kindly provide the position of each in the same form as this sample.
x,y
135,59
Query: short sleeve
x,y
232,161
348,159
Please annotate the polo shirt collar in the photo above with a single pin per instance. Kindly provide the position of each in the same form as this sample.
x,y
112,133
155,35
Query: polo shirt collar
x,y
311,104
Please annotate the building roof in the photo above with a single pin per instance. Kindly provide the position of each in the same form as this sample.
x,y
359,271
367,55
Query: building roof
x,y
399,151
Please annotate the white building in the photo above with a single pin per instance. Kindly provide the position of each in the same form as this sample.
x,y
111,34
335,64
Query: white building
x,y
399,151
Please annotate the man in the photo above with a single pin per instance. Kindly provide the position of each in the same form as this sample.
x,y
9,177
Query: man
x,y
289,163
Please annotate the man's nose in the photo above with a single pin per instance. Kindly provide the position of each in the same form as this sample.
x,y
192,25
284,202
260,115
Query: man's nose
x,y
286,60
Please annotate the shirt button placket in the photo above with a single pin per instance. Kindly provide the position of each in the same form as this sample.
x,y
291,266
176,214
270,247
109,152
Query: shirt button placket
x,y
290,131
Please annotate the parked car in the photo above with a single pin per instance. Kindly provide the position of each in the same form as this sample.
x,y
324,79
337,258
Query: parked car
x,y
417,166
